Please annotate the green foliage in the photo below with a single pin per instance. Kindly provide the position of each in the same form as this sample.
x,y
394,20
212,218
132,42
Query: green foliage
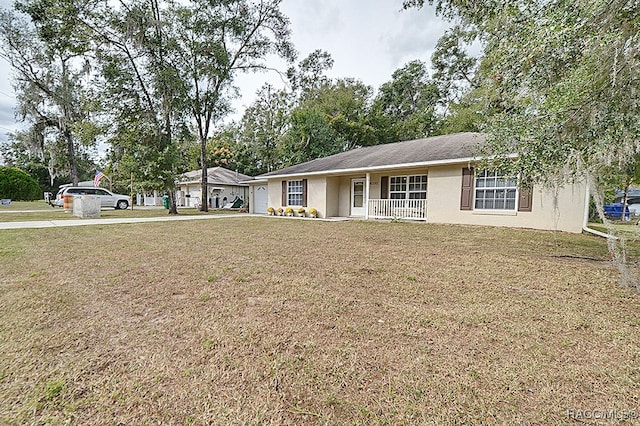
x,y
262,129
45,44
138,152
454,68
405,106
53,388
208,44
309,77
311,136
17,185
563,75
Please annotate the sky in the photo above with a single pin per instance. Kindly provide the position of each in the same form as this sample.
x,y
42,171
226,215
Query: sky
x,y
368,40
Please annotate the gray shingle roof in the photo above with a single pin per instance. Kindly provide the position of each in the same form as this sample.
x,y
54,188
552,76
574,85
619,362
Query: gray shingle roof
x,y
437,148
216,175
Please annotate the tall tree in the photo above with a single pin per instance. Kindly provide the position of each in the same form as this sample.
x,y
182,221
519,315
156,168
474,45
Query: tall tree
x,y
213,41
454,68
309,76
141,90
405,107
264,125
330,119
566,72
47,49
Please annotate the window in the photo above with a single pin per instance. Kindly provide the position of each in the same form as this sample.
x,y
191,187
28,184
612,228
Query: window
x,y
398,187
294,193
418,187
408,187
494,191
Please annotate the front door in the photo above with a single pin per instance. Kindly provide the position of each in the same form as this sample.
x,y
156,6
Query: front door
x,y
357,197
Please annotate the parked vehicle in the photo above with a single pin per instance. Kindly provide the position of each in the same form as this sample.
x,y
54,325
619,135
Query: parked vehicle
x,y
614,211
633,203
107,198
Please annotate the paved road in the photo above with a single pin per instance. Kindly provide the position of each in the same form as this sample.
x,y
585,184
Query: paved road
x,y
113,221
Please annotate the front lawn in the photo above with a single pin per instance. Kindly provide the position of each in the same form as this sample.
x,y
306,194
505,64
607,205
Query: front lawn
x,y
267,321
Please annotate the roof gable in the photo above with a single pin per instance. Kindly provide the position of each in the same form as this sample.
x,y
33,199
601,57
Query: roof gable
x,y
445,148
216,175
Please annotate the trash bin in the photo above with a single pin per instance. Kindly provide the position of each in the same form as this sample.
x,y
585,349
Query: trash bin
x,y
165,201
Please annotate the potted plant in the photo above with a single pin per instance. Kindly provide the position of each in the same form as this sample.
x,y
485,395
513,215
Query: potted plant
x,y
288,211
313,212
271,211
280,210
300,212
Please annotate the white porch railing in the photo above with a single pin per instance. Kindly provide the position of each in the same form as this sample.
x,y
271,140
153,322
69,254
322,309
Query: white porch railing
x,y
401,209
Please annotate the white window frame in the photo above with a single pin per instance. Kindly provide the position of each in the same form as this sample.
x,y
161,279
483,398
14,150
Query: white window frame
x,y
407,187
502,183
292,187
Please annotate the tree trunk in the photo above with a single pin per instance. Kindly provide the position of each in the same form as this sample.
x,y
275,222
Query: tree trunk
x,y
204,188
64,121
173,208
72,157
617,243
627,184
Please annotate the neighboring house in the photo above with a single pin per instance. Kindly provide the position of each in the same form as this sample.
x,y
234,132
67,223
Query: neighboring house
x,y
432,179
633,200
224,186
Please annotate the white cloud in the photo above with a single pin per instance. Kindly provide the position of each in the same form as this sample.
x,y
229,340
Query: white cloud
x,y
368,39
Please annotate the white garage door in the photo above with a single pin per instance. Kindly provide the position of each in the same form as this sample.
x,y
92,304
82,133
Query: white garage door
x,y
260,199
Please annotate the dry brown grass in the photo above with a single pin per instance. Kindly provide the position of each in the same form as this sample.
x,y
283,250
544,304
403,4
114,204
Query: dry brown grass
x,y
267,321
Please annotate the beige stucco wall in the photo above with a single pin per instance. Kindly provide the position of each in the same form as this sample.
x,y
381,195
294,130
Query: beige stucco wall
x,y
443,205
275,193
331,196
345,195
316,194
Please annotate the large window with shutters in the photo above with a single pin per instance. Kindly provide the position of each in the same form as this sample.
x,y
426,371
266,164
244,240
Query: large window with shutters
x,y
495,191
294,193
408,187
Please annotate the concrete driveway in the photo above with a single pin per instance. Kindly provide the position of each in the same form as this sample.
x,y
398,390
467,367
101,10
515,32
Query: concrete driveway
x,y
83,222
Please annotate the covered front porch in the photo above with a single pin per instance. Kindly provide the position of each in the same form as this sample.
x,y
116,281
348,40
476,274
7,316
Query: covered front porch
x,y
394,196
397,209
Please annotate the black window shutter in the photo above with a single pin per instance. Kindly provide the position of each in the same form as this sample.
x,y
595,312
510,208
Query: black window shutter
x,y
384,187
466,200
284,193
304,193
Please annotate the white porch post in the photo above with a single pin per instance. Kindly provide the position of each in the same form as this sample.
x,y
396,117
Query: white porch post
x,y
366,196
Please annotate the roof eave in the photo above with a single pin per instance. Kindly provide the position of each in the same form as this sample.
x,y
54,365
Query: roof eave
x,y
377,168
191,182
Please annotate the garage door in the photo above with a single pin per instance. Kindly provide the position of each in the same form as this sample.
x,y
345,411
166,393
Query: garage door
x,y
260,199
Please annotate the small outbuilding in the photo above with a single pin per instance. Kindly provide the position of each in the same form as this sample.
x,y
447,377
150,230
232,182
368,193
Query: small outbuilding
x,y
224,188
